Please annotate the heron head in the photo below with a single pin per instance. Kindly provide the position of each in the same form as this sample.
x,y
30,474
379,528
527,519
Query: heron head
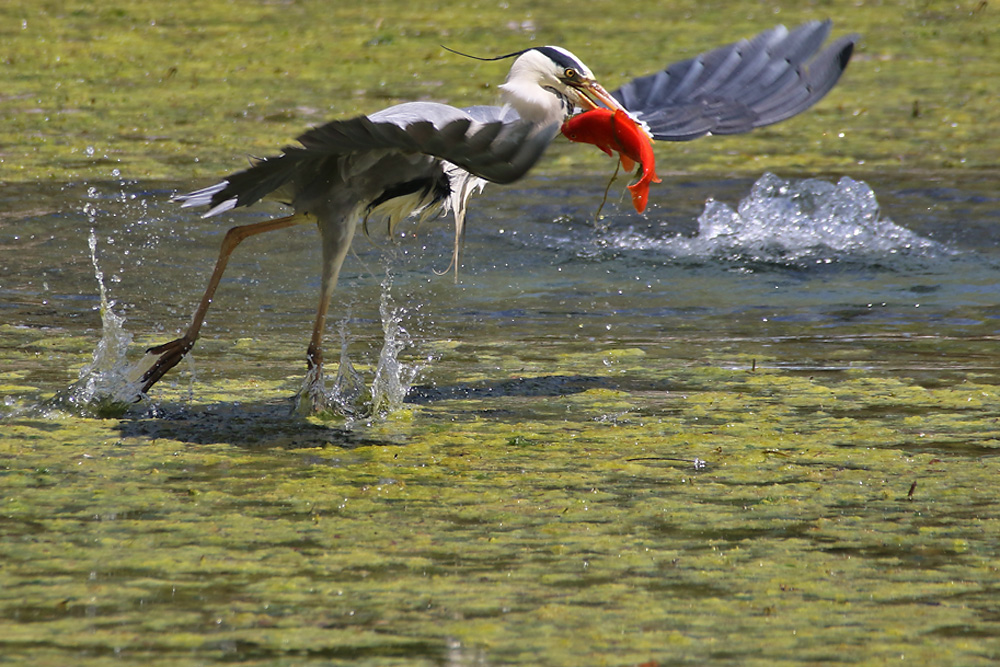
x,y
546,84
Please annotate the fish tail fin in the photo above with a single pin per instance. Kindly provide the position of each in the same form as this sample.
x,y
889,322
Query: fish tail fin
x,y
640,195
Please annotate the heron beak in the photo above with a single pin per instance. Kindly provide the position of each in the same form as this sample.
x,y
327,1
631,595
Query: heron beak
x,y
593,96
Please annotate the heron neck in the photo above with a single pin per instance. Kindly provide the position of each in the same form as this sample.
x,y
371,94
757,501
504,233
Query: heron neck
x,y
533,103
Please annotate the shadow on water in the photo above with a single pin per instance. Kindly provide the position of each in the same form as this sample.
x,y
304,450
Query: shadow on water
x,y
533,387
243,650
276,424
255,425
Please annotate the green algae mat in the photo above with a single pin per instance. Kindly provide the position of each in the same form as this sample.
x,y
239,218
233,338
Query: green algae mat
x,y
159,89
592,495
703,514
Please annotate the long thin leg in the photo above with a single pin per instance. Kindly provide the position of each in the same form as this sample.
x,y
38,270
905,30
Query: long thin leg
x,y
337,237
166,356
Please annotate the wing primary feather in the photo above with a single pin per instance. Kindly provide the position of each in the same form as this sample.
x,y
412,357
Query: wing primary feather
x,y
738,87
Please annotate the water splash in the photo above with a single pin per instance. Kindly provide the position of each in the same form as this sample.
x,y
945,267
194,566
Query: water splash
x,y
390,384
107,386
344,399
393,378
793,223
349,385
104,388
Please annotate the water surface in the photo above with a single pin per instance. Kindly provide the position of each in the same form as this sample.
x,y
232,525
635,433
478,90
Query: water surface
x,y
626,442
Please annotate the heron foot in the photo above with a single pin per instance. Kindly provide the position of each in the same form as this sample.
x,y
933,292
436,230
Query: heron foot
x,y
162,358
342,400
313,397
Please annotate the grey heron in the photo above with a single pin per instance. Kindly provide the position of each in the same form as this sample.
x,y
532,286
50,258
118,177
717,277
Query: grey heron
x,y
421,158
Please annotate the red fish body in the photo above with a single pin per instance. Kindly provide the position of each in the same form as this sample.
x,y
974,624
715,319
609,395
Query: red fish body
x,y
614,131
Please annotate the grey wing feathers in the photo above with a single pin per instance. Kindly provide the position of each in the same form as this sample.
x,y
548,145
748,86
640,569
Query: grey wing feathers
x,y
739,87
266,177
493,145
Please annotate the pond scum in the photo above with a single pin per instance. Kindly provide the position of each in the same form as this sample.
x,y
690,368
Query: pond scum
x,y
845,519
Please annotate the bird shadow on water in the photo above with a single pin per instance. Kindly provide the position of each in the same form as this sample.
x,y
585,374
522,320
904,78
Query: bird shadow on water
x,y
275,425
528,387
254,425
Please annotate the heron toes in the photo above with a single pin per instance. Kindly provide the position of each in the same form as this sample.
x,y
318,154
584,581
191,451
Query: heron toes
x,y
343,400
313,397
160,359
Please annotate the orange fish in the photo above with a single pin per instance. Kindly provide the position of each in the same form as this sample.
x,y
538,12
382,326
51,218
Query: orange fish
x,y
616,131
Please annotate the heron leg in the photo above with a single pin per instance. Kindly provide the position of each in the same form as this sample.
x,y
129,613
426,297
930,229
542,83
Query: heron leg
x,y
162,358
336,243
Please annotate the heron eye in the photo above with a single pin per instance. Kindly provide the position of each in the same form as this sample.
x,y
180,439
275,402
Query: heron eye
x,y
570,73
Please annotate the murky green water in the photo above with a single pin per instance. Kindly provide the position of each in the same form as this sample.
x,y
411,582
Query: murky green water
x,y
619,449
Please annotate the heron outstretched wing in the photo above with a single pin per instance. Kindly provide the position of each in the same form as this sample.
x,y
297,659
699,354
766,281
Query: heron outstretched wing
x,y
736,88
